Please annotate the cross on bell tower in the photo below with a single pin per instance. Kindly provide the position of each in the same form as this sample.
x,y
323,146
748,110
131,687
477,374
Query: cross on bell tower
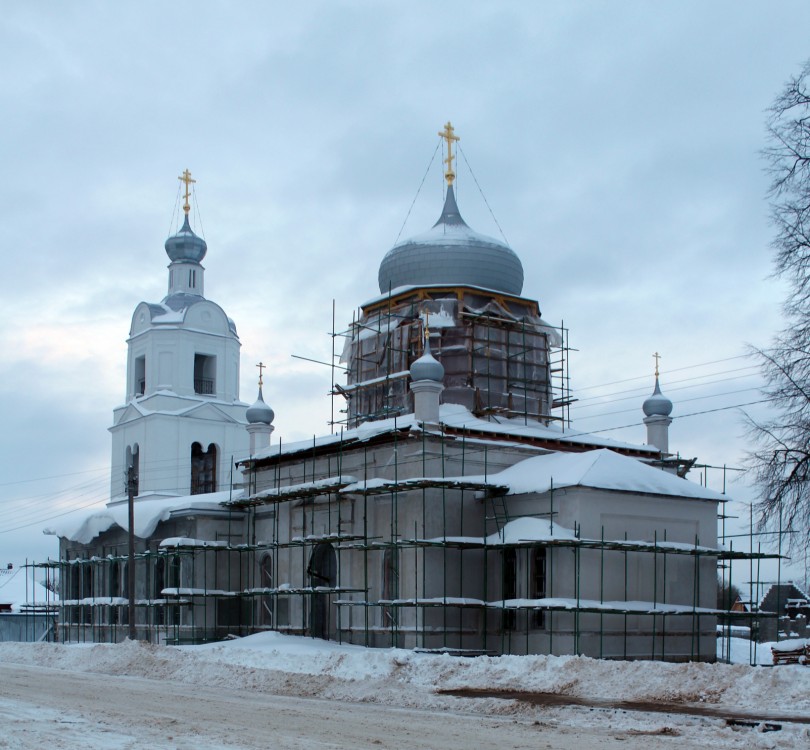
x,y
186,178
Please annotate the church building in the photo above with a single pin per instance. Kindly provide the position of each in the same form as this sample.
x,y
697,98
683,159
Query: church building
x,y
456,509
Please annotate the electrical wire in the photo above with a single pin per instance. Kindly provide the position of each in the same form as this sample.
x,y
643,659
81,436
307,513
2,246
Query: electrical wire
x,y
419,190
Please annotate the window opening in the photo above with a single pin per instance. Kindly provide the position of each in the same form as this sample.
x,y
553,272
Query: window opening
x,y
266,582
203,469
390,586
205,368
140,376
539,584
509,587
322,571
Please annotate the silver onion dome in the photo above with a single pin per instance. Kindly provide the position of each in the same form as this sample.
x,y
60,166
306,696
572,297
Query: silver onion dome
x,y
657,404
427,367
185,245
452,253
260,412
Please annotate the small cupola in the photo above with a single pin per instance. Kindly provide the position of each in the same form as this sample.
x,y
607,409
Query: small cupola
x,y
260,419
657,409
427,376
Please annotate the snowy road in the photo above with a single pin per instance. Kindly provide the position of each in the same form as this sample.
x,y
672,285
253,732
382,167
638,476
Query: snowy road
x,y
272,690
42,707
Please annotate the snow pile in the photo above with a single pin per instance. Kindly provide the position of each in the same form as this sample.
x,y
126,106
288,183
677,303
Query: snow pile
x,y
266,662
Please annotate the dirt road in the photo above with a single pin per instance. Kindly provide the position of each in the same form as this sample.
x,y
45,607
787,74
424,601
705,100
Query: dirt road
x,y
41,707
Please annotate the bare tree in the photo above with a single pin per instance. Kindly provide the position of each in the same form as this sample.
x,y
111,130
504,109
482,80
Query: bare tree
x,y
780,461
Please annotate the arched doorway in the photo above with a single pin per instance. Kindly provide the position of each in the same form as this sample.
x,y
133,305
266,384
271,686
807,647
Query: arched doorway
x,y
322,572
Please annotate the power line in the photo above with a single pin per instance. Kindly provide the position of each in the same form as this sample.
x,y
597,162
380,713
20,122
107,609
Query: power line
x,y
669,384
681,401
675,369
682,416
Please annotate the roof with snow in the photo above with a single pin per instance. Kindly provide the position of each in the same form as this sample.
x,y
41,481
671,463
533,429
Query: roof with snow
x,y
601,469
19,589
456,421
598,469
148,514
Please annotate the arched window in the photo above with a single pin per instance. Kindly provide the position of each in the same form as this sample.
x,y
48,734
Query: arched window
x,y
322,570
87,581
203,469
75,578
267,572
160,578
175,572
114,582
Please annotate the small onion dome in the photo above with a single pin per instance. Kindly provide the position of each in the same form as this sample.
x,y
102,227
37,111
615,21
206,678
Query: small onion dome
x,y
452,253
657,404
260,412
427,367
185,245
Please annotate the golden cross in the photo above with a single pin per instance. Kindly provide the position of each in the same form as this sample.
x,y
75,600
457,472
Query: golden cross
x,y
261,367
186,177
427,324
657,356
449,136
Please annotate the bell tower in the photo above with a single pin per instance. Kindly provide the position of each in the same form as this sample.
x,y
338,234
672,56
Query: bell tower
x,y
181,422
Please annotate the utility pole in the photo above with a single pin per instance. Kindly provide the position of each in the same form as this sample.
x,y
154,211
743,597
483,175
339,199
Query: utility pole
x,y
131,479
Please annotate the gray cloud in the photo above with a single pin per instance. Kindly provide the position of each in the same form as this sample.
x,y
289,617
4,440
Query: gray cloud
x,y
617,145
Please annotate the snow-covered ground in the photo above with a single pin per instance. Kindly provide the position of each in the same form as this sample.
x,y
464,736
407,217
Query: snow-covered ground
x,y
273,664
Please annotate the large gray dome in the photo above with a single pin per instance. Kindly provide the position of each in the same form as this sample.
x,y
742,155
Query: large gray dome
x,y
185,245
452,253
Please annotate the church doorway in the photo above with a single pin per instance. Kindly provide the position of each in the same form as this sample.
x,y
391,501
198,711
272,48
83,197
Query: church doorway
x,y
322,572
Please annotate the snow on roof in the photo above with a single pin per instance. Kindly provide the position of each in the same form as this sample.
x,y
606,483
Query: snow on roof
x,y
456,417
599,469
18,588
141,404
148,514
184,541
783,585
529,529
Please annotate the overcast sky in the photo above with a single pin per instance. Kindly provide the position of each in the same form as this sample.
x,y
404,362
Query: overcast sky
x,y
617,145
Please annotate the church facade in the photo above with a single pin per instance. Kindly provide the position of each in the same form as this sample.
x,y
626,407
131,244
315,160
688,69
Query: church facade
x,y
456,510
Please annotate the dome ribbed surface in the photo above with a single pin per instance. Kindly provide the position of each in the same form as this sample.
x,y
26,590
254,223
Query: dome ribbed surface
x,y
185,245
452,253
